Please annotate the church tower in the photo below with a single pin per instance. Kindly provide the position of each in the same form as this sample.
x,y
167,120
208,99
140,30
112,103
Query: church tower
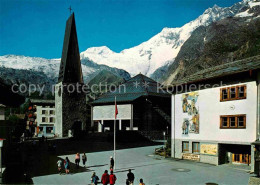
x,y
70,100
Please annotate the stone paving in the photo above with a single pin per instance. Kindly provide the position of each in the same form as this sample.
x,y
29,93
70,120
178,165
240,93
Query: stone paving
x,y
153,169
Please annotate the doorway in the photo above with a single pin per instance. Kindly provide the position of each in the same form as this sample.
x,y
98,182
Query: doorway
x,y
77,128
241,158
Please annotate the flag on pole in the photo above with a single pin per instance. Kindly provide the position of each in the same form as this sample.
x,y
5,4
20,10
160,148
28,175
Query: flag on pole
x,y
116,110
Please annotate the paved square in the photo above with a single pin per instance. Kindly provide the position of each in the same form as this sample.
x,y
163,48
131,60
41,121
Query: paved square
x,y
153,169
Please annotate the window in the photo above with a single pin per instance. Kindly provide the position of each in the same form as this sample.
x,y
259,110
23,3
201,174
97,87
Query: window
x,y
52,119
185,146
52,112
49,130
233,93
43,111
233,121
224,95
195,147
43,119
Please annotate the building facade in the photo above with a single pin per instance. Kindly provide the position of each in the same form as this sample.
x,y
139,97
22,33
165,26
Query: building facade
x,y
141,105
42,118
216,118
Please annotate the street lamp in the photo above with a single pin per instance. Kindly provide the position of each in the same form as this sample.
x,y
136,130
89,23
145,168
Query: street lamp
x,y
1,145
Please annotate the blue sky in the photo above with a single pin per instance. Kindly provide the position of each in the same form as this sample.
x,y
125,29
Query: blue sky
x,y
36,27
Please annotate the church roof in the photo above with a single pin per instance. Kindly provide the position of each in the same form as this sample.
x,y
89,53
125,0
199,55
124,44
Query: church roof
x,y
132,89
70,67
239,66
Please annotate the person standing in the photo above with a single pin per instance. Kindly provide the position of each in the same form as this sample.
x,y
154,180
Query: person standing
x,y
67,165
112,178
77,160
141,182
59,163
105,178
84,159
94,179
130,177
112,163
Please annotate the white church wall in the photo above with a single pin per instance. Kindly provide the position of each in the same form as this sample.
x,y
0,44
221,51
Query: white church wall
x,y
210,108
58,110
107,112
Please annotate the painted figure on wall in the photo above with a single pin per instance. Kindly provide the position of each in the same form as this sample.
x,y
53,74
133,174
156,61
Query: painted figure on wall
x,y
190,113
185,126
185,103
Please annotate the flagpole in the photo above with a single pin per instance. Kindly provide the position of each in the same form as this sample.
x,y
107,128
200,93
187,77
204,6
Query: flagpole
x,y
115,137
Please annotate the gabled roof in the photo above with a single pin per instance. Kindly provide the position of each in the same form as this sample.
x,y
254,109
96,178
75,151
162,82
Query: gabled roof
x,y
70,67
239,66
132,89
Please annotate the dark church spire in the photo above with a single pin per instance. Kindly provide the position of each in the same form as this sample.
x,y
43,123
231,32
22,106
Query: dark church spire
x,y
70,67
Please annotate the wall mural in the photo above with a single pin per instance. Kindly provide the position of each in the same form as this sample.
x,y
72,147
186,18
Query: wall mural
x,y
190,113
210,149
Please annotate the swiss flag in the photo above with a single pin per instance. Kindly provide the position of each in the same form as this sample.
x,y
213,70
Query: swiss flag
x,y
116,110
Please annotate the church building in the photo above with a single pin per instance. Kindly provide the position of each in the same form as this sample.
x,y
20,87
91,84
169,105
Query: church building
x,y
70,101
141,105
216,114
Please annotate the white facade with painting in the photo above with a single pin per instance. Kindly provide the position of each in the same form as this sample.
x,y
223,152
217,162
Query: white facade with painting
x,y
218,124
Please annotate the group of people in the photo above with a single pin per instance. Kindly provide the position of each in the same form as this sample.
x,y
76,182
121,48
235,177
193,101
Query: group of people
x,y
77,159
66,163
111,179
105,179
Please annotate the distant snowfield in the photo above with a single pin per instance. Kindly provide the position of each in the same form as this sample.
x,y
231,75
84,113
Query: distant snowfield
x,y
246,13
161,49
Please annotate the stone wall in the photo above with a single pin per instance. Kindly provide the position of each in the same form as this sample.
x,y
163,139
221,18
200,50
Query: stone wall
x,y
74,108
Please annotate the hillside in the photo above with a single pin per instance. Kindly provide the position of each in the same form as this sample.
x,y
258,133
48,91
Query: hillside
x,y
226,40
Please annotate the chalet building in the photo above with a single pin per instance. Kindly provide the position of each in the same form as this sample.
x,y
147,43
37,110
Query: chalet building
x,y
141,105
216,113
41,118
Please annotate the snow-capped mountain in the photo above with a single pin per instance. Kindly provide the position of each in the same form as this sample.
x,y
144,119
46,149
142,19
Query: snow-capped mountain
x,y
48,68
161,49
148,58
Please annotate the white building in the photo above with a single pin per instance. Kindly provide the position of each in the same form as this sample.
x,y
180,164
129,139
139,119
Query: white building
x,y
44,117
215,119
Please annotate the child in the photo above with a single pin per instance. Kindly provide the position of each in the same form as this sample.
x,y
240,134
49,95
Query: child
x,y
59,163
141,182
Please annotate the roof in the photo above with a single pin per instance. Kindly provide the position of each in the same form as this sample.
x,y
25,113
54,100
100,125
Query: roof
x,y
132,89
70,67
41,102
230,68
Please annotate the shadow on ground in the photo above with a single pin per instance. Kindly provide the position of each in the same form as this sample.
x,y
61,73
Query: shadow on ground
x,y
30,159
